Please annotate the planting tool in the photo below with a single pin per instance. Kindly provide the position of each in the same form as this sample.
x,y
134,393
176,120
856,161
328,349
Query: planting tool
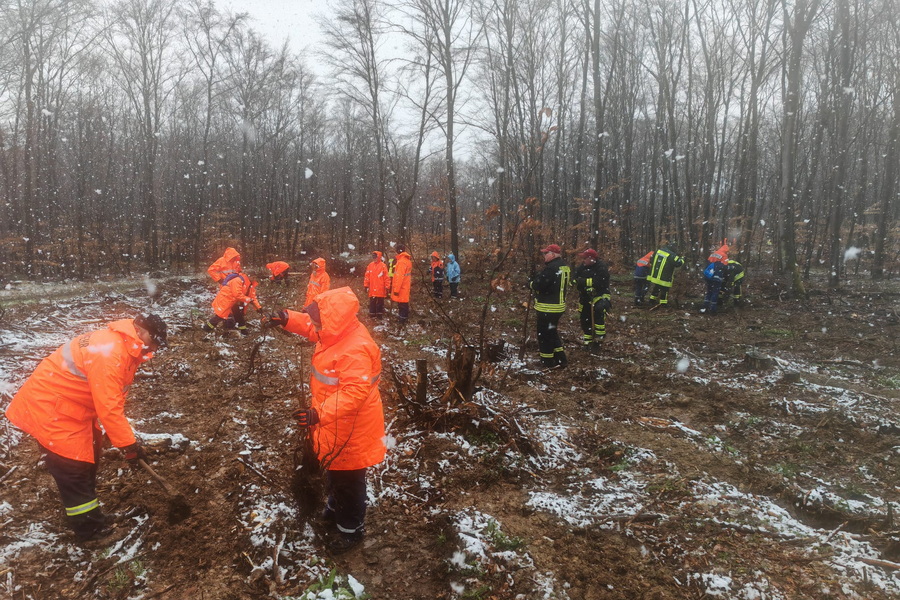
x,y
179,509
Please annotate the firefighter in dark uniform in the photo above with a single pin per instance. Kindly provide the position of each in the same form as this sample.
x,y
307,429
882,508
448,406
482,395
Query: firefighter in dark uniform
x,y
662,273
592,281
549,287
734,279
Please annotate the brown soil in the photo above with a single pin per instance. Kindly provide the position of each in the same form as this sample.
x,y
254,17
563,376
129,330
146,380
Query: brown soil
x,y
231,398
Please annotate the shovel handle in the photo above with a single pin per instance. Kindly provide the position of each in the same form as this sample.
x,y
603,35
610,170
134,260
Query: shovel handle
x,y
165,485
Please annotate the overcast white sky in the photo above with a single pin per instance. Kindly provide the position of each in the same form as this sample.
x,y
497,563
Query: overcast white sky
x,y
276,20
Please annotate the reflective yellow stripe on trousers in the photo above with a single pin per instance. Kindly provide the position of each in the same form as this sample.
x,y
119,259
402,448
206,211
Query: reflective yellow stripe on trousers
x,y
83,508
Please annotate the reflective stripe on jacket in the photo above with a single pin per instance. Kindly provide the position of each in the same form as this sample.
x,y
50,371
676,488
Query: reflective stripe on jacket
x,y
319,282
402,279
550,286
376,278
346,370
85,379
664,264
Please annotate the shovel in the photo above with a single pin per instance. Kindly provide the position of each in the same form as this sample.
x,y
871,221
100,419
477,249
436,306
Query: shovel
x,y
179,509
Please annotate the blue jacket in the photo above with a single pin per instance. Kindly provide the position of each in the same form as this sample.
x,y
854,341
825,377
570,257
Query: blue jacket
x,y
451,269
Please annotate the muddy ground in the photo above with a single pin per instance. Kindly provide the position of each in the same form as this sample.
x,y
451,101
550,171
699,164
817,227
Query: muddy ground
x,y
751,455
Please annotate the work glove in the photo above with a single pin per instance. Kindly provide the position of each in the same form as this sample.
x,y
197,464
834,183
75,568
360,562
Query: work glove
x,y
306,417
275,319
134,452
605,303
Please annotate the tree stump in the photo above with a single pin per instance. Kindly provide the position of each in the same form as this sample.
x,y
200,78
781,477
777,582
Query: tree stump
x,y
460,370
757,361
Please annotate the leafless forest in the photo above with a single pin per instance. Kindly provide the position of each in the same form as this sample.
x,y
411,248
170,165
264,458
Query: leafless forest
x,y
144,134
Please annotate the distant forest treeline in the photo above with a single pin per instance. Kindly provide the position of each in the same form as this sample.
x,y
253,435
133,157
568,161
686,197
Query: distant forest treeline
x,y
147,134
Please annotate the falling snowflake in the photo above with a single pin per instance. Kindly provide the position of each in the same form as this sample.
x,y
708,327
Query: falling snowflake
x,y
308,173
683,364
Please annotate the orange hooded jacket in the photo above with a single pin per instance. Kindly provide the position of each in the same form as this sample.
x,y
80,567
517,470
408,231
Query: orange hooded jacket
x,y
319,282
277,268
645,260
83,380
346,369
376,278
237,289
402,280
720,255
225,265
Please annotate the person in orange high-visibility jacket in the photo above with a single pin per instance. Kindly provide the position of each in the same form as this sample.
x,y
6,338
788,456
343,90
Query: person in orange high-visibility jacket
x,y
346,418
376,283
60,404
401,282
641,271
225,265
319,281
720,254
230,303
279,270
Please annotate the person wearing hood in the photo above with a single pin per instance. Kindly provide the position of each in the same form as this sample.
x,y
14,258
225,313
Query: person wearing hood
x,y
401,282
592,281
550,286
279,270
437,275
71,392
662,273
230,304
376,283
319,281
225,265
452,272
345,418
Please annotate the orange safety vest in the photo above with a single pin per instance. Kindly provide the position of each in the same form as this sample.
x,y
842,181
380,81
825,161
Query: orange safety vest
x,y
83,381
346,370
376,278
319,282
644,261
402,280
720,255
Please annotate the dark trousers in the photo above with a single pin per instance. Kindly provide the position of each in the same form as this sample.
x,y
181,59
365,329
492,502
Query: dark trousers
x,y
640,289
236,320
76,481
439,289
660,293
454,289
711,301
346,499
549,342
376,307
594,328
403,311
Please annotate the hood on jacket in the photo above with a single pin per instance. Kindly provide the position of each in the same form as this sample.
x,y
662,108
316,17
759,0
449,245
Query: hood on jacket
x,y
378,255
435,256
231,255
133,344
319,262
337,311
451,258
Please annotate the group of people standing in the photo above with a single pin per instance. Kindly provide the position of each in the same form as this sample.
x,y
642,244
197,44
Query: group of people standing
x,y
654,274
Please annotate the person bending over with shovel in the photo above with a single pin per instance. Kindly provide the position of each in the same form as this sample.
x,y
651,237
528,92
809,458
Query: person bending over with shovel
x,y
346,418
60,404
